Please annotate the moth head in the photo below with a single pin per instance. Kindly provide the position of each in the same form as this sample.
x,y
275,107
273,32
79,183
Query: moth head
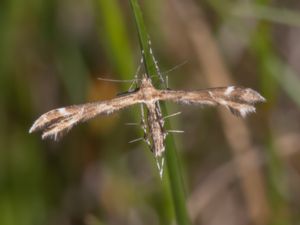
x,y
146,82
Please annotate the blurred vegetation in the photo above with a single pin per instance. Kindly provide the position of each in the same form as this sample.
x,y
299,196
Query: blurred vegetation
x,y
51,55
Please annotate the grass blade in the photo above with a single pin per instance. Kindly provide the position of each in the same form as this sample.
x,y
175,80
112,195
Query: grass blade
x,y
173,166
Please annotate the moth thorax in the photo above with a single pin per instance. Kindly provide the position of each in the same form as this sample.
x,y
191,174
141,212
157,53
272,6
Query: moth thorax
x,y
146,83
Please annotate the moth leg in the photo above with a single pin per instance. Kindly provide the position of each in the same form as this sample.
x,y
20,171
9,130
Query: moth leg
x,y
159,114
172,115
175,131
143,120
132,124
160,162
136,140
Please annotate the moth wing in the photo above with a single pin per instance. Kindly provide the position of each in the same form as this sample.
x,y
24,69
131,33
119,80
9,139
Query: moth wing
x,y
240,101
55,123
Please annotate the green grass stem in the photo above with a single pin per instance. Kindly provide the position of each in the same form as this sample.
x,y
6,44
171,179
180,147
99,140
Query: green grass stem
x,y
173,165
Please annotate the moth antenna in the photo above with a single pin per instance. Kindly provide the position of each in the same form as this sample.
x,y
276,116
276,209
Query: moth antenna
x,y
167,81
136,74
116,80
156,64
139,67
175,67
168,71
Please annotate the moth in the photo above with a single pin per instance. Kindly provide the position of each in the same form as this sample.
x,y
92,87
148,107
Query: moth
x,y
238,100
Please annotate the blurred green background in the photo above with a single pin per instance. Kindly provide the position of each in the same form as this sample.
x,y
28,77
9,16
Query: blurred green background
x,y
235,171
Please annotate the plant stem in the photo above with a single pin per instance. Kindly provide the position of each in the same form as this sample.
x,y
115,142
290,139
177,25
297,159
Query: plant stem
x,y
173,165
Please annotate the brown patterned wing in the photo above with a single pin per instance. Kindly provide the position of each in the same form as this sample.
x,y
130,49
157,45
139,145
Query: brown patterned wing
x,y
240,101
55,123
